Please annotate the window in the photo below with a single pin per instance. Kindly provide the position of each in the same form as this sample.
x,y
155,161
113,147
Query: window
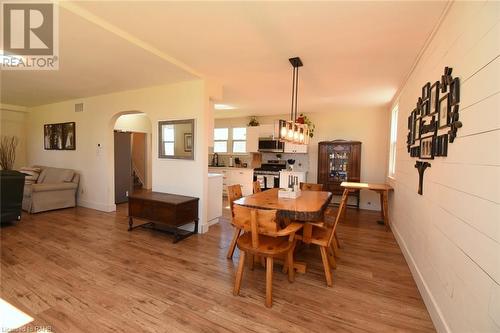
x,y
168,140
394,137
221,135
239,140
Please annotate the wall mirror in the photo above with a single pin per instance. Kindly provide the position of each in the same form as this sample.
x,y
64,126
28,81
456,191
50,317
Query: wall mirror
x,y
176,139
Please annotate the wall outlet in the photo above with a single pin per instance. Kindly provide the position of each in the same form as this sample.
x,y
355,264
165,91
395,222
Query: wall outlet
x,y
369,203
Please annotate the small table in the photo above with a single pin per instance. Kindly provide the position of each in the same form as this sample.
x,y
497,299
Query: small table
x,y
381,189
170,210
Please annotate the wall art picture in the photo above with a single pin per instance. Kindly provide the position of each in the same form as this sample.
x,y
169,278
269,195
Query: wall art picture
x,y
426,148
434,99
188,142
435,121
444,111
426,90
60,136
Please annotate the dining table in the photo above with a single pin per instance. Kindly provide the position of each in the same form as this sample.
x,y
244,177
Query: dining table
x,y
309,206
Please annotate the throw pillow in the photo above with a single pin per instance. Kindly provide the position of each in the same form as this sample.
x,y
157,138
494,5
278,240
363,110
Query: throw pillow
x,y
32,174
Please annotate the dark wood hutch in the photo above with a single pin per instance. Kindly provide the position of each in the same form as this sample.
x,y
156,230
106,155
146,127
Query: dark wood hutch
x,y
339,161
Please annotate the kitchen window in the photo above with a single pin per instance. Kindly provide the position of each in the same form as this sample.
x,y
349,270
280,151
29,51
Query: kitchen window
x,y
221,135
239,140
393,142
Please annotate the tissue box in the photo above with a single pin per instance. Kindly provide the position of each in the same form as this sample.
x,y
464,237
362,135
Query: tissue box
x,y
285,193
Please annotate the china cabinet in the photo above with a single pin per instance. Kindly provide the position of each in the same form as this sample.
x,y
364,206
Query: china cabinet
x,y
339,161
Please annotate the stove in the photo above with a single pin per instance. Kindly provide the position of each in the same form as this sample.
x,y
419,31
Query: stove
x,y
268,175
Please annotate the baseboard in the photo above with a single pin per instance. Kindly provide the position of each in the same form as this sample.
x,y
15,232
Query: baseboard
x,y
430,302
97,206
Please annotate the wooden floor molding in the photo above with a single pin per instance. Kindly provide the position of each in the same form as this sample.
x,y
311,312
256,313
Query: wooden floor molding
x,y
79,270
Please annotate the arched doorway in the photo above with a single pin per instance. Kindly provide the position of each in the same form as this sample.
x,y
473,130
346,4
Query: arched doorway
x,y
132,169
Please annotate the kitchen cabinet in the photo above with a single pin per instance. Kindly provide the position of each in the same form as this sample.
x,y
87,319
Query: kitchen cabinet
x,y
339,161
293,148
301,175
231,176
253,133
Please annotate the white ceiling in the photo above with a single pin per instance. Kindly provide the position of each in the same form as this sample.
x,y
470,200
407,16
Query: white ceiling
x,y
355,54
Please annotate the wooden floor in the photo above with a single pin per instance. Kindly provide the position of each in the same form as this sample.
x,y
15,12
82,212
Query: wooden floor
x,y
79,270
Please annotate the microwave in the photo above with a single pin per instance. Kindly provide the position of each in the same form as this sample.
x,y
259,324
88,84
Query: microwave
x,y
269,145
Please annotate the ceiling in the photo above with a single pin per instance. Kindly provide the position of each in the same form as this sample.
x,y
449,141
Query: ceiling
x,y
355,54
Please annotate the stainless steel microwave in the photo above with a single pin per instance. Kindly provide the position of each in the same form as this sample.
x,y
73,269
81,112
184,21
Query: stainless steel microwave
x,y
268,145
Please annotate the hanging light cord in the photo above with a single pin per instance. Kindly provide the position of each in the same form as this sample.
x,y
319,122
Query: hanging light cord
x,y
293,95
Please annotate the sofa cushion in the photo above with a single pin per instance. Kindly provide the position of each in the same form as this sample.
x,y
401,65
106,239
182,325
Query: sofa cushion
x,y
55,175
32,174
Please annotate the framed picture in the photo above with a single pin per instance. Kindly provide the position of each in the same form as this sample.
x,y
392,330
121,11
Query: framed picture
x,y
416,135
434,99
188,142
60,136
411,123
455,91
444,111
441,145
426,148
425,108
426,91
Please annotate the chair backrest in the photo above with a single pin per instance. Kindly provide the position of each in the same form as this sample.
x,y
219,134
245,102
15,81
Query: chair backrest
x,y
311,187
342,206
233,193
256,221
256,187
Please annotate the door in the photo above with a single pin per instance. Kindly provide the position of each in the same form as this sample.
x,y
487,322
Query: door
x,y
123,166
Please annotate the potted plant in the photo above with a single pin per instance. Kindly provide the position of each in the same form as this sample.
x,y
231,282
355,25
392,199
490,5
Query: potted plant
x,y
253,122
303,119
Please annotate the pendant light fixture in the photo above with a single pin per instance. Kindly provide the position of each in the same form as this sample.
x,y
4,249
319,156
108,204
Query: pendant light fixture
x,y
292,130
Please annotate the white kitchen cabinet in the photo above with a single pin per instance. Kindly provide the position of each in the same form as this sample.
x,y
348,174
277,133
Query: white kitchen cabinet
x,y
266,130
231,176
253,133
292,148
301,175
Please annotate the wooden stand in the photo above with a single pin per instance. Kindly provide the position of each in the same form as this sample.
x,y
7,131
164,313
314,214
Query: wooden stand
x,y
169,210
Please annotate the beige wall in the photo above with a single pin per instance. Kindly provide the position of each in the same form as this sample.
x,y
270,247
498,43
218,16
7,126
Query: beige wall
x,y
369,125
94,127
450,235
13,123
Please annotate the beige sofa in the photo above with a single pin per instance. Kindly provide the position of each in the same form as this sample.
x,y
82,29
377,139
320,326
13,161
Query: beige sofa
x,y
55,188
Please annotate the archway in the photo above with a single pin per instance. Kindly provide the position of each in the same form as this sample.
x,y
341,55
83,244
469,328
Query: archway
x,y
129,130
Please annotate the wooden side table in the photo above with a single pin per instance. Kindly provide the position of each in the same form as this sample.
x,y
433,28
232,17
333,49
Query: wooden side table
x,y
381,189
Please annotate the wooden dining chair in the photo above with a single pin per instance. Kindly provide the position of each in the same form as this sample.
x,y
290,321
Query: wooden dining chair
x,y
319,187
324,237
233,193
256,187
311,187
264,238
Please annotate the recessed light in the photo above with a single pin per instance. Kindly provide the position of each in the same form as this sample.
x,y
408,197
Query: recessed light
x,y
224,107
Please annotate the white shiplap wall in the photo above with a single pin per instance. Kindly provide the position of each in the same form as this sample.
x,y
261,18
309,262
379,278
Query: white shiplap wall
x,y
451,234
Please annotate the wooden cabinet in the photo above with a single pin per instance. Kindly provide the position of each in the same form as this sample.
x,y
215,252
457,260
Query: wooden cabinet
x,y
339,161
292,148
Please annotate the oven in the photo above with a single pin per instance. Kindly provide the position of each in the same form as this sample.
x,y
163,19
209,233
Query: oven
x,y
268,175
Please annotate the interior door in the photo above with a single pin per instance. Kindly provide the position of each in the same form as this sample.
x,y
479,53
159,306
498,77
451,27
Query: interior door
x,y
123,166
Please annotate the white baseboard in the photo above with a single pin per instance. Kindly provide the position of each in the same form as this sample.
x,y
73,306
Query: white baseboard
x,y
97,206
430,302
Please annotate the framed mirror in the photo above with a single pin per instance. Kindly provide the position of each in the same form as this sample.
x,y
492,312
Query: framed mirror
x,y
176,139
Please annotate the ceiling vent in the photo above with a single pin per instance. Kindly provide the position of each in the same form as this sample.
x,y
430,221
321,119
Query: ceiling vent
x,y
79,107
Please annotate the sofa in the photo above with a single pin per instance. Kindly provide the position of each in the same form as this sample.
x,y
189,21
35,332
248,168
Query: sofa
x,y
53,188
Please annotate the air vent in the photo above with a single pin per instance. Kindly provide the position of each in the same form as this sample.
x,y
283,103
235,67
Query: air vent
x,y
79,107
